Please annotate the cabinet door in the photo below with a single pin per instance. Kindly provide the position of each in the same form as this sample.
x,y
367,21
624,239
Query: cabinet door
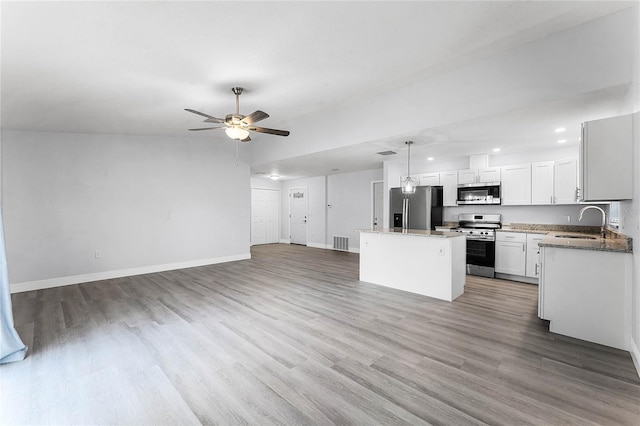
x,y
542,182
533,255
516,185
565,181
467,176
449,182
489,175
607,159
511,257
430,179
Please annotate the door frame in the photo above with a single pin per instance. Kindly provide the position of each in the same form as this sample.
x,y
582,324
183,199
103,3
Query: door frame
x,y
373,205
306,191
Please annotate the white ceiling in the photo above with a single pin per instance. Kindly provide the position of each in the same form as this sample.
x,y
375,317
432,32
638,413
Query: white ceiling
x,y
319,69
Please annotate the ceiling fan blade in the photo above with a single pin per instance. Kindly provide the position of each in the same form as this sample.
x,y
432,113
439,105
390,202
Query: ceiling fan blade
x,y
210,118
255,116
209,128
270,131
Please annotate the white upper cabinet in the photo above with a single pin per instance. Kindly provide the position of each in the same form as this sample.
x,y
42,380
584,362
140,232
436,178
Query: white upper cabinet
x,y
542,182
490,174
430,179
449,182
516,185
467,176
565,186
606,159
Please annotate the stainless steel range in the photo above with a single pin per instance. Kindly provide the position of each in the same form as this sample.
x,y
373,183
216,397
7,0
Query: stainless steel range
x,y
480,230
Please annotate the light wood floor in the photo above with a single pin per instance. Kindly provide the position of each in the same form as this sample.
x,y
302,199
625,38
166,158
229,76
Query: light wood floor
x,y
292,337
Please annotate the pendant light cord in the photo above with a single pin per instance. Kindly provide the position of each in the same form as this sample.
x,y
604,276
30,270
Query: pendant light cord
x,y
409,160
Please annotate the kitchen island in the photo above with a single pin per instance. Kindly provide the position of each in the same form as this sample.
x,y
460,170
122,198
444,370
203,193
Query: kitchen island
x,y
431,263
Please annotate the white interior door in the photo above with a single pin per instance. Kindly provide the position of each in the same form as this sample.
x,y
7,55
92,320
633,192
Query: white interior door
x,y
264,216
377,205
272,218
298,214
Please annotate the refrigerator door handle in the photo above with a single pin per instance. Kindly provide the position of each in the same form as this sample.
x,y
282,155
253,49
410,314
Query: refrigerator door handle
x,y
405,213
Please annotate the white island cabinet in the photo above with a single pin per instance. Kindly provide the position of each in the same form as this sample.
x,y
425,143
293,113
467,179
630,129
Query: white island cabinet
x,y
430,263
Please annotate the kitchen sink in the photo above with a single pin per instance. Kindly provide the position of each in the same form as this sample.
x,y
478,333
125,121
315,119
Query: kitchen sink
x,y
580,237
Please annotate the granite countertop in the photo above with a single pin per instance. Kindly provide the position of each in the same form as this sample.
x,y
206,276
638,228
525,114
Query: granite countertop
x,y
614,241
413,232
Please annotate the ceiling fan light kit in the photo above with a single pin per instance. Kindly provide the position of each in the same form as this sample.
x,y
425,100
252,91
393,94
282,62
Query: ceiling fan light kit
x,y
237,133
237,126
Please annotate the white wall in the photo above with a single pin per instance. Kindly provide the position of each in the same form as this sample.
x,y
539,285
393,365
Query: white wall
x,y
316,194
350,197
350,200
141,201
265,183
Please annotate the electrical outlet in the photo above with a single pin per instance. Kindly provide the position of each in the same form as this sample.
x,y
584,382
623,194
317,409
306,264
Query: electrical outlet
x,y
98,254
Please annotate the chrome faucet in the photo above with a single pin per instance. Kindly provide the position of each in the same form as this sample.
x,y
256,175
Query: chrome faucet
x,y
602,233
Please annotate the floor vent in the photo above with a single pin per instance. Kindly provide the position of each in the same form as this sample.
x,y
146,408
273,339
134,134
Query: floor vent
x,y
341,243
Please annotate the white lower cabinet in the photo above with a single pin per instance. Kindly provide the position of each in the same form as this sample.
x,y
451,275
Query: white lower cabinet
x,y
533,255
585,294
511,253
518,256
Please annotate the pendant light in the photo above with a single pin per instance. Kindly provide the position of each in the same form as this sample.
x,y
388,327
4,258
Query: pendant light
x,y
409,184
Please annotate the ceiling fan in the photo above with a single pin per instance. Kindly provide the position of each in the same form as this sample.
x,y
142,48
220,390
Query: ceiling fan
x,y
238,126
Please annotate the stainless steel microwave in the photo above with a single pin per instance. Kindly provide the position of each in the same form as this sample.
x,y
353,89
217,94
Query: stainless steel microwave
x,y
479,193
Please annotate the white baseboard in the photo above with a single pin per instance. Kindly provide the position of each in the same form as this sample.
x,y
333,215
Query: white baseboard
x,y
285,241
317,245
98,276
330,247
635,355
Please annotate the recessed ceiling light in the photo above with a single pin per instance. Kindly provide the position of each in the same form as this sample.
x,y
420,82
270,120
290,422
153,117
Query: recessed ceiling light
x,y
274,177
560,129
429,158
496,149
562,141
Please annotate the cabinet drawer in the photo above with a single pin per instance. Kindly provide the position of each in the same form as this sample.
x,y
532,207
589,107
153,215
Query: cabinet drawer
x,y
515,237
535,238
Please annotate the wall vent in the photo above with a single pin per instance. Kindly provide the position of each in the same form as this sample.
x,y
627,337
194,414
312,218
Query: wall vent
x,y
386,153
340,243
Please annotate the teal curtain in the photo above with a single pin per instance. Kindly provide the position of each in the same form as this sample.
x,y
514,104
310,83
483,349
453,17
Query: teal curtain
x,y
11,347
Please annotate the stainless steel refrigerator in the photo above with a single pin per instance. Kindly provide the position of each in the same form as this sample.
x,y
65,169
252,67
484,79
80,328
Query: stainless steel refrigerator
x,y
421,210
